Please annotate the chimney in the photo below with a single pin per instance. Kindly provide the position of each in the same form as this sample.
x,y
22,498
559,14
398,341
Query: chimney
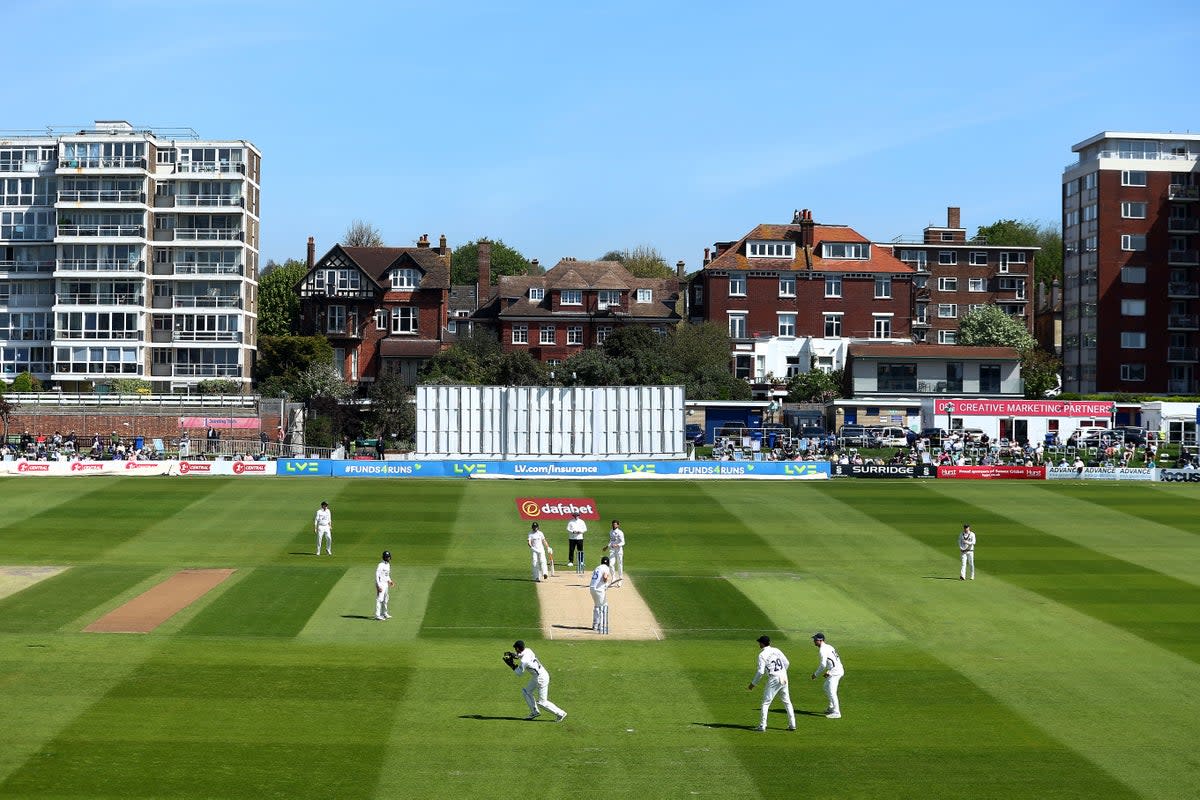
x,y
423,241
806,228
484,259
442,245
796,217
953,217
535,267
312,252
706,257
679,269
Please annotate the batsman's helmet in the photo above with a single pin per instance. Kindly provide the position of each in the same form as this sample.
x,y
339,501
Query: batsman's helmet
x,y
387,555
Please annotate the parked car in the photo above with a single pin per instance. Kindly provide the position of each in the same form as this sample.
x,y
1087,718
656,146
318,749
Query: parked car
x,y
857,436
892,437
1099,437
694,434
971,434
822,436
934,435
1132,434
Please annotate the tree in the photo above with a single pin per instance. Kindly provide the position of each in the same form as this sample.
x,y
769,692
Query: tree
x,y
700,356
130,385
219,386
989,326
283,359
278,299
6,409
815,386
321,380
393,416
640,356
1049,261
362,234
592,367
1040,372
468,361
464,262
25,382
642,261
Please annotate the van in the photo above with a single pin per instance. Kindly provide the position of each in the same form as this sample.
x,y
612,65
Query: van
x,y
892,437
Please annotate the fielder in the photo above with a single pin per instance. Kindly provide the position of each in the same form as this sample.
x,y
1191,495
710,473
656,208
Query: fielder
x,y
966,546
323,527
616,549
601,576
383,582
537,553
774,664
536,692
831,668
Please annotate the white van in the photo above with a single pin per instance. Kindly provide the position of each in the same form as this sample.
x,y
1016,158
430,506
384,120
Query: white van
x,y
893,437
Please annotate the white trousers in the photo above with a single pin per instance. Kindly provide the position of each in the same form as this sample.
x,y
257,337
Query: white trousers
x,y
774,686
537,693
616,560
968,558
325,535
381,603
831,687
538,559
598,596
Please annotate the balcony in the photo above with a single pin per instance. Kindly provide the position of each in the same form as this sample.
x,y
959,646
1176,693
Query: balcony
x,y
1179,191
1183,289
1184,354
1183,322
195,268
99,299
936,387
231,337
103,336
102,230
121,163
26,300
100,265
920,322
205,301
210,167
215,200
1183,225
197,234
101,196
27,267
1183,258
1180,387
207,371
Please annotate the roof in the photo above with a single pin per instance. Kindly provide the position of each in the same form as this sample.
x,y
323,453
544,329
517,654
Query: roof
x,y
938,351
396,347
734,259
375,262
511,298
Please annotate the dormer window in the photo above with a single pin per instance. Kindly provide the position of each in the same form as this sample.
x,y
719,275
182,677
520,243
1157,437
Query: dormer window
x,y
536,294
406,278
607,298
771,250
570,297
644,295
859,250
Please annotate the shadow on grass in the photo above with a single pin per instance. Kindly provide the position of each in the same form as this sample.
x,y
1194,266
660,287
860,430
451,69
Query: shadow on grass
x,y
940,578
484,717
726,725
306,553
358,616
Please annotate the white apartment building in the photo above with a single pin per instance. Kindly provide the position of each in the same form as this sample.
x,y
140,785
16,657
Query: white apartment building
x,y
128,253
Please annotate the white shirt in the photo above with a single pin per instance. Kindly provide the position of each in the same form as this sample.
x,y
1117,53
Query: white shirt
x,y
831,662
529,663
966,541
616,538
537,541
383,576
601,575
771,662
576,528
324,518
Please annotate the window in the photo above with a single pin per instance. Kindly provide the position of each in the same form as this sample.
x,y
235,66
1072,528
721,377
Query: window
x,y
737,326
602,333
883,328
1133,177
947,284
335,321
1071,219
574,334
404,319
571,297
1133,340
606,298
948,310
947,236
1091,212
896,377
406,279
645,295
954,376
859,250
1133,308
546,334
1133,274
381,319
947,258
978,258
536,294
787,324
947,337
787,285
833,326
883,287
793,366
977,284
737,283
520,333
914,257
697,293
989,378
1133,241
771,249
833,285
1130,210
1133,372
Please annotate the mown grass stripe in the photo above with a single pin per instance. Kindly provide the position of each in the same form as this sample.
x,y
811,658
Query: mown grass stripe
x,y
60,600
271,601
474,604
703,607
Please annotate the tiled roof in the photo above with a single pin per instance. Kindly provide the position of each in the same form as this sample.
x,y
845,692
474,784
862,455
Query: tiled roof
x,y
939,351
376,261
512,292
735,259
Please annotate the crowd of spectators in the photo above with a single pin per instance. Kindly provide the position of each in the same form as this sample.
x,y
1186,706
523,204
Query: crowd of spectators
x,y
72,447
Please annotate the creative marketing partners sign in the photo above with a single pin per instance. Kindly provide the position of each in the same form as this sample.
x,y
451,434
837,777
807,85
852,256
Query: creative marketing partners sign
x,y
1023,408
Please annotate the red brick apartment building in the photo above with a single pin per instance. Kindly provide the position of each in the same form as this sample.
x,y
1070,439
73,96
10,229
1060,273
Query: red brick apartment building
x,y
1131,261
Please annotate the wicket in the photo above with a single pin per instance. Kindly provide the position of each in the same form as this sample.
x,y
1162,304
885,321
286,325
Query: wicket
x,y
600,619
579,563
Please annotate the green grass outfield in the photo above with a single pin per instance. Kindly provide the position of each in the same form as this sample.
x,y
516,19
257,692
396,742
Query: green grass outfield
x,y
1068,669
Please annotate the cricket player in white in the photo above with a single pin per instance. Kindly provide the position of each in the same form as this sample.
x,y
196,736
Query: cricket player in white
x,y
323,527
601,576
383,582
537,553
966,546
537,691
616,549
774,664
831,668
576,528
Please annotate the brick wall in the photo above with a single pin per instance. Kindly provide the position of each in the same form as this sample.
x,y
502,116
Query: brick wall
x,y
126,423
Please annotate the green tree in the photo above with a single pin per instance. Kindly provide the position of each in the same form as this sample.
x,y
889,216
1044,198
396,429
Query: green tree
x,y
362,234
1040,372
25,382
989,326
592,367
642,261
468,361
700,355
393,416
278,299
219,386
130,386
283,359
815,386
321,380
519,369
640,356
1048,264
464,262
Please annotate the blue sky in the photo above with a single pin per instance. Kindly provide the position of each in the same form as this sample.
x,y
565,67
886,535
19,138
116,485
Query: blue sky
x,y
569,129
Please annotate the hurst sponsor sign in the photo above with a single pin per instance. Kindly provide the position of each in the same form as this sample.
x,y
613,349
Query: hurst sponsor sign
x,y
998,472
556,507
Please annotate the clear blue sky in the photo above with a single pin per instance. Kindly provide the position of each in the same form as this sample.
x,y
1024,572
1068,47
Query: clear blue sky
x,y
569,129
